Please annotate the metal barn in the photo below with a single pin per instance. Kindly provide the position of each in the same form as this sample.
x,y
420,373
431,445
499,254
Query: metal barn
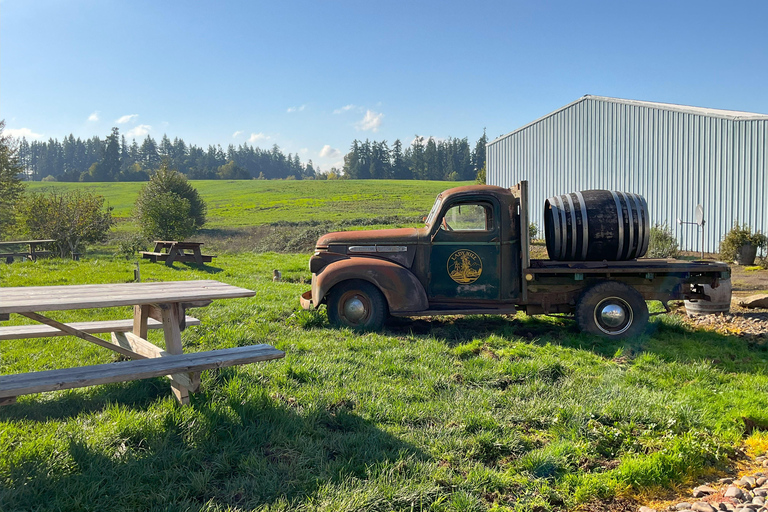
x,y
675,156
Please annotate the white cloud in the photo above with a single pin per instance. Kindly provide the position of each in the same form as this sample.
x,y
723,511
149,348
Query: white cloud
x,y
345,108
329,152
296,109
138,131
304,151
94,116
371,121
128,118
255,137
18,133
237,134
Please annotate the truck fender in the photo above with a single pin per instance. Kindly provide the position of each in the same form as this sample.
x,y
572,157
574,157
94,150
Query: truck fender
x,y
400,287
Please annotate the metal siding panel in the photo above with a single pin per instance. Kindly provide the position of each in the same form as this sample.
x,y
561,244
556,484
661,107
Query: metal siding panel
x,y
676,160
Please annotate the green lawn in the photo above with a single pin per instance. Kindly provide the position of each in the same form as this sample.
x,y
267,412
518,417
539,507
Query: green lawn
x,y
462,414
245,203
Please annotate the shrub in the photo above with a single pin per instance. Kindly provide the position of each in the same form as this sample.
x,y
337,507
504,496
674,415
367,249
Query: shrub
x,y
168,207
480,178
663,243
533,230
738,236
129,245
72,218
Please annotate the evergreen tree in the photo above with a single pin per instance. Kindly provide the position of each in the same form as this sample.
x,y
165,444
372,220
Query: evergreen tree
x,y
478,155
109,169
148,154
11,187
400,170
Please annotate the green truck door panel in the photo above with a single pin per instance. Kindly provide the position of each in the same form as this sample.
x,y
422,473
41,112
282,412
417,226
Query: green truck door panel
x,y
464,260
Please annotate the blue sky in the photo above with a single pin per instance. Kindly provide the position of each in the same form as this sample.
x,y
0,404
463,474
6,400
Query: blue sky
x,y
311,76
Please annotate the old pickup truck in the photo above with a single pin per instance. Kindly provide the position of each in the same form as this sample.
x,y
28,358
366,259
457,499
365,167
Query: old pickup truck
x,y
472,257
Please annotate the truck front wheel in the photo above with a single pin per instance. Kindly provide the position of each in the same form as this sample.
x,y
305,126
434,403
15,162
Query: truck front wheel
x,y
358,305
612,310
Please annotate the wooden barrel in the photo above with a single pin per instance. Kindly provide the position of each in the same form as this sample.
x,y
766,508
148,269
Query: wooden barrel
x,y
596,225
720,300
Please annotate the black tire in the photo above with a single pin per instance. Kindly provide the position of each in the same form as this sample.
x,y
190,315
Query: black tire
x,y
358,305
612,310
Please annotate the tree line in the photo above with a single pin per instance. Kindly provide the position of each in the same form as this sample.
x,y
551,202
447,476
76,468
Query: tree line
x,y
449,159
115,159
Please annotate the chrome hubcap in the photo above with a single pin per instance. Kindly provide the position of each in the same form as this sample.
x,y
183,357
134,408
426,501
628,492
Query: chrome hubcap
x,y
354,310
613,315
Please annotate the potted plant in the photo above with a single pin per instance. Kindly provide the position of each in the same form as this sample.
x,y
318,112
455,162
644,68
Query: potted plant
x,y
740,245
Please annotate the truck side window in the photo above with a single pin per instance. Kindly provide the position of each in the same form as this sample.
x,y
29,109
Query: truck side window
x,y
468,217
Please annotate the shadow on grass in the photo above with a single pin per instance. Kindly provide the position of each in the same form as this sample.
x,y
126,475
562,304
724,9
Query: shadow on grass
x,y
235,447
667,337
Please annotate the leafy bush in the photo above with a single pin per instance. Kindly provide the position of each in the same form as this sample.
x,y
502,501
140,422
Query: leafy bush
x,y
129,245
533,230
480,178
168,207
663,243
738,236
72,218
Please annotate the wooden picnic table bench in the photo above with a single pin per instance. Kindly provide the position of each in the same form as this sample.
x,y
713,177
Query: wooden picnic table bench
x,y
172,250
33,253
156,306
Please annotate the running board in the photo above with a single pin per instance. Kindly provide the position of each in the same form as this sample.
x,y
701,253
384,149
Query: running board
x,y
462,311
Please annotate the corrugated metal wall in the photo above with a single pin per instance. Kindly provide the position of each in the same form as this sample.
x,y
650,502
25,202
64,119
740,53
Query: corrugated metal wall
x,y
675,159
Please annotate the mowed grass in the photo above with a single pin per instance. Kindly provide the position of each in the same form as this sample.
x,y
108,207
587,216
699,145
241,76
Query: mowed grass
x,y
464,414
247,203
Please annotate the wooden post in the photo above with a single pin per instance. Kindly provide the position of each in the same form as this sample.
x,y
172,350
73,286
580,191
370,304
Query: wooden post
x,y
140,315
172,333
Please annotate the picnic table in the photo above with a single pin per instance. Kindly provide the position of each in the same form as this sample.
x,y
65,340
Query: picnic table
x,y
172,250
157,305
33,253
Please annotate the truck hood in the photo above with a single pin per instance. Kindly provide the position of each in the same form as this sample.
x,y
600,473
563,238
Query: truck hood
x,y
370,237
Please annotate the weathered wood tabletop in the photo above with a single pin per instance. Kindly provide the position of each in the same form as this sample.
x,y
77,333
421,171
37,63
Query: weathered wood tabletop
x,y
54,298
164,302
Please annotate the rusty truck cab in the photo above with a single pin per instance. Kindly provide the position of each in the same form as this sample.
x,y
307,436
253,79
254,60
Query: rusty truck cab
x,y
465,257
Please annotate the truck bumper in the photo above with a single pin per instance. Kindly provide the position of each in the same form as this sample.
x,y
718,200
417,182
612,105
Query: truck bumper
x,y
306,299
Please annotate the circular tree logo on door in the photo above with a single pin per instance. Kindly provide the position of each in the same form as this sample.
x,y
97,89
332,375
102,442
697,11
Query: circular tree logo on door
x,y
464,266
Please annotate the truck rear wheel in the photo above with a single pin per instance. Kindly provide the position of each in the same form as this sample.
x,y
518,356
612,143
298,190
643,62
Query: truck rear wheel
x,y
358,305
612,310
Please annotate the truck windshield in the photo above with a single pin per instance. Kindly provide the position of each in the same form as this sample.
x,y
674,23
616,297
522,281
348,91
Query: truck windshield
x,y
433,212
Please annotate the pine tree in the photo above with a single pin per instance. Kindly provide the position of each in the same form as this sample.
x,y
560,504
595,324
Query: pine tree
x,y
11,187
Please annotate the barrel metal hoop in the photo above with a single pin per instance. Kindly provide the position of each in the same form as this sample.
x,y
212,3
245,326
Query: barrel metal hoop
x,y
584,227
573,226
647,224
641,232
555,225
621,224
631,226
563,225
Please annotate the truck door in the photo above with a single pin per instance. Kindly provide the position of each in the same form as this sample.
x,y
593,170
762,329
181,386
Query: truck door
x,y
464,260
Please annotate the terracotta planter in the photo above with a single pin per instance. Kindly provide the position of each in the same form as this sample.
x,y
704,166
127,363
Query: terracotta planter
x,y
746,255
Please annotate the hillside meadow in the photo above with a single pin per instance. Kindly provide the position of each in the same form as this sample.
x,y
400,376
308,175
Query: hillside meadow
x,y
450,414
247,203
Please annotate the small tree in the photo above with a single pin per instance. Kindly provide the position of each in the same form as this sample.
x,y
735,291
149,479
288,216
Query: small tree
x,y
73,219
168,207
11,186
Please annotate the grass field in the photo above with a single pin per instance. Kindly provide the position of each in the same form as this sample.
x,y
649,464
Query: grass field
x,y
462,414
454,414
246,203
